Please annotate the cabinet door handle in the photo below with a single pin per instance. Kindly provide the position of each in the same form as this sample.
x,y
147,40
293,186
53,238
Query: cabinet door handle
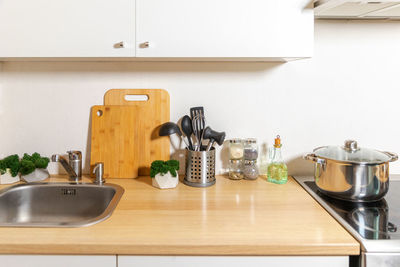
x,y
120,45
144,45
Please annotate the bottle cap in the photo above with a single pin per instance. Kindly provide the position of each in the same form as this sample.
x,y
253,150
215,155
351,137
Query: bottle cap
x,y
277,141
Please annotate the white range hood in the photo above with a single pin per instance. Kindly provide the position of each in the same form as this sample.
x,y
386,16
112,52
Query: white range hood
x,y
357,9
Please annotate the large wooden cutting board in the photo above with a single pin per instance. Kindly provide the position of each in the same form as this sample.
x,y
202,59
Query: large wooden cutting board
x,y
125,136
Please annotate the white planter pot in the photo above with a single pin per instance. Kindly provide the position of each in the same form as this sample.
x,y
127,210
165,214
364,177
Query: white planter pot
x,y
165,181
8,179
36,175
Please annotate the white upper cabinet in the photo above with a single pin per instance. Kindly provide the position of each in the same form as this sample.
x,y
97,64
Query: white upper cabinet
x,y
156,29
224,28
61,28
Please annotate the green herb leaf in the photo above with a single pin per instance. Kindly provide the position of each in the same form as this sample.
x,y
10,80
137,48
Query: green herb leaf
x,y
163,167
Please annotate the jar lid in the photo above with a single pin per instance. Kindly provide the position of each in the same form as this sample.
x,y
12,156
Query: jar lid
x,y
350,152
235,140
250,140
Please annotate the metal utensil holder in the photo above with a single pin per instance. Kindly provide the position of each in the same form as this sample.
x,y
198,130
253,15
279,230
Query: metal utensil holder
x,y
200,168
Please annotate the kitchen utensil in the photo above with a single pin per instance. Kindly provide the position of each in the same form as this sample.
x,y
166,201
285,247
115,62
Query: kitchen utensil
x,y
213,136
198,124
125,138
352,173
115,140
154,110
200,168
186,125
170,128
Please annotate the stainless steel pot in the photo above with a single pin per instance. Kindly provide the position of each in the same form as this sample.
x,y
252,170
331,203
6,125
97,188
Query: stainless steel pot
x,y
352,173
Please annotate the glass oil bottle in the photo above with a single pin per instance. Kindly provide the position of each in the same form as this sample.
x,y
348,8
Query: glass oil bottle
x,y
277,169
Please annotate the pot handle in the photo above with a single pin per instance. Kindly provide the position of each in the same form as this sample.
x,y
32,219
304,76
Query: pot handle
x,y
313,157
393,156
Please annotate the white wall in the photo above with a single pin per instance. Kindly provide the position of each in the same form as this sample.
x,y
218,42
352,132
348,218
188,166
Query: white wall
x,y
349,89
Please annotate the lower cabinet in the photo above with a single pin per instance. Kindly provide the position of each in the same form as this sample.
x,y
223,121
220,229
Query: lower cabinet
x,y
58,261
232,261
170,261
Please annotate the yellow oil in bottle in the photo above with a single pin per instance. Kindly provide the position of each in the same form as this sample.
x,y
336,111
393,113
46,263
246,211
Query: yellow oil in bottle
x,y
277,173
277,169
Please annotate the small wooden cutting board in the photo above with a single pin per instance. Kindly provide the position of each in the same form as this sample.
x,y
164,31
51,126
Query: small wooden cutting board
x,y
125,133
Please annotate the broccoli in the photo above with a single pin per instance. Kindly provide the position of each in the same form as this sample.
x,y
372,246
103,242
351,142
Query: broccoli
x,y
3,167
160,166
27,167
40,162
12,162
35,156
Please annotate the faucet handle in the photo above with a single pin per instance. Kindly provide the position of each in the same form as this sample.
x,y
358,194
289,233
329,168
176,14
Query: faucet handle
x,y
98,170
74,155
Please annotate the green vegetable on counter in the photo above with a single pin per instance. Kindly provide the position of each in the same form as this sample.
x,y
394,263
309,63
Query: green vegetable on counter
x,y
162,167
30,163
12,163
26,166
3,167
40,162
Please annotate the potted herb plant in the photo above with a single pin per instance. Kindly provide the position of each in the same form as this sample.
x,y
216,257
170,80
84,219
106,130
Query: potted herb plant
x,y
9,168
164,173
33,168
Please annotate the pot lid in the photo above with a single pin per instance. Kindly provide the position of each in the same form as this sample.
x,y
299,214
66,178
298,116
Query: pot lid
x,y
350,152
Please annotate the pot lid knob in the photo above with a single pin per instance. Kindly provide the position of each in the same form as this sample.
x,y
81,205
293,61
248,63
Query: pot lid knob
x,y
350,145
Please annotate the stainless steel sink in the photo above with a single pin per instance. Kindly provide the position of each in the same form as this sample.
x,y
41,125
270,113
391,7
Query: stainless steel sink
x,y
57,204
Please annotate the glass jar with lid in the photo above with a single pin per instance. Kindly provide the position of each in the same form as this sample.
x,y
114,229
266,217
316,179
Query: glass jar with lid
x,y
250,149
250,170
235,149
235,169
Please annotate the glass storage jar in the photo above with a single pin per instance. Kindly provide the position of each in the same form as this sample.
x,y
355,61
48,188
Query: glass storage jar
x,y
235,149
235,169
250,149
250,170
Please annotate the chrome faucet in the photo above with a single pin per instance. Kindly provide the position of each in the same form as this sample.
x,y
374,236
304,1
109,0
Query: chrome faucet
x,y
74,167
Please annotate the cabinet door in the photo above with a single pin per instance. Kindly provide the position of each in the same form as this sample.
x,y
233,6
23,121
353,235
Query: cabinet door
x,y
232,261
67,28
57,261
224,28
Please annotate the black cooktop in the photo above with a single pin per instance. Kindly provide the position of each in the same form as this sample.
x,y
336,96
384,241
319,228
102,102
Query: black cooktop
x,y
376,220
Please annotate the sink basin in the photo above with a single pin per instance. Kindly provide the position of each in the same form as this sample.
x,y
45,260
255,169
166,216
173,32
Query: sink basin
x,y
57,204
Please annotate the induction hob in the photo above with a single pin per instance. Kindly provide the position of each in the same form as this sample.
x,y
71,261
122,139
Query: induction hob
x,y
375,225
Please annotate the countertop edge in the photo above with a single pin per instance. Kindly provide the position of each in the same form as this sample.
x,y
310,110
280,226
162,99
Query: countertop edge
x,y
153,250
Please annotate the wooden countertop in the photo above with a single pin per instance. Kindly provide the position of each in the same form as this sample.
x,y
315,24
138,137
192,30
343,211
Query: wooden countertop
x,y
229,218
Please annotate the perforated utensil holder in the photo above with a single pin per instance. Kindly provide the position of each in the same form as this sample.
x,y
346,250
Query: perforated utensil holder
x,y
200,168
